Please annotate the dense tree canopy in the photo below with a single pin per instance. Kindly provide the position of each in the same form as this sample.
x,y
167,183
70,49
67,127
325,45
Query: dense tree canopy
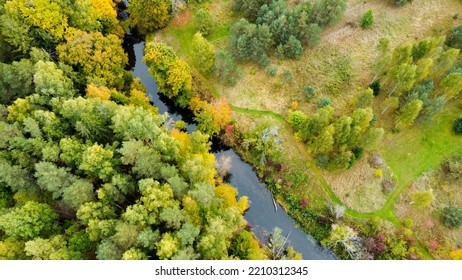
x,y
420,78
337,141
273,25
87,167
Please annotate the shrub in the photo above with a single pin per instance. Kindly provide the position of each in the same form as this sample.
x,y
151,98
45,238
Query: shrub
x,y
401,2
367,20
225,69
423,199
451,217
296,118
454,37
204,22
327,12
458,126
181,125
375,86
286,76
323,102
309,92
272,70
291,49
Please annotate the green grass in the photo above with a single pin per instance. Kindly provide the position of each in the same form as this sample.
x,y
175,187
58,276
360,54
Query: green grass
x,y
183,35
416,150
219,32
260,113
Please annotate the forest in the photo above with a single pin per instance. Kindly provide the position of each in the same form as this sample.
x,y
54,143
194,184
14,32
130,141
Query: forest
x,y
349,111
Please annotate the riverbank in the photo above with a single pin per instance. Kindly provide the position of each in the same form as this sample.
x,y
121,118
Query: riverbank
x,y
262,215
306,191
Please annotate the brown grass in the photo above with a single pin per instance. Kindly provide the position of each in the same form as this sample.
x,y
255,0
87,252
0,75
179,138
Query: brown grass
x,y
316,66
182,18
357,187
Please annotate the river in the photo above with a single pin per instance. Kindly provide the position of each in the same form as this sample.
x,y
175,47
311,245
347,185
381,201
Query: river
x,y
262,214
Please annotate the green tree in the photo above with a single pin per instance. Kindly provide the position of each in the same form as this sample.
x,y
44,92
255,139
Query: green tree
x,y
16,80
445,61
50,81
167,246
134,254
29,221
80,192
327,12
203,56
451,85
52,178
451,217
250,42
54,248
408,113
291,49
458,126
204,22
250,8
12,249
454,37
227,72
365,99
97,161
108,250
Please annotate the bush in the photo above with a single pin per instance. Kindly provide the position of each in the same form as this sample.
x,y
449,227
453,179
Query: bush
x,y
451,217
401,2
292,49
296,118
458,126
225,69
286,76
204,22
309,92
367,20
453,167
375,86
272,70
323,102
454,37
327,12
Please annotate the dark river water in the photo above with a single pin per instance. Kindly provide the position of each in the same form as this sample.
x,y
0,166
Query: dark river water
x,y
262,214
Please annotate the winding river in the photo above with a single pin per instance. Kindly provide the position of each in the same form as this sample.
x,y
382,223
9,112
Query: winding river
x,y
261,214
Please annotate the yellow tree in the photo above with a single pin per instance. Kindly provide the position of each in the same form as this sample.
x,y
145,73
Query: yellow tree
x,y
29,23
100,59
149,15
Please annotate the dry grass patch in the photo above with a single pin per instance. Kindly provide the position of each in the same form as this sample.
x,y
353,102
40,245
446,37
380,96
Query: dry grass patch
x,y
360,187
181,18
343,42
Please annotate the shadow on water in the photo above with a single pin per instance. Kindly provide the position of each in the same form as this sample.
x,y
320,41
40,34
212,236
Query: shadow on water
x,y
261,214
